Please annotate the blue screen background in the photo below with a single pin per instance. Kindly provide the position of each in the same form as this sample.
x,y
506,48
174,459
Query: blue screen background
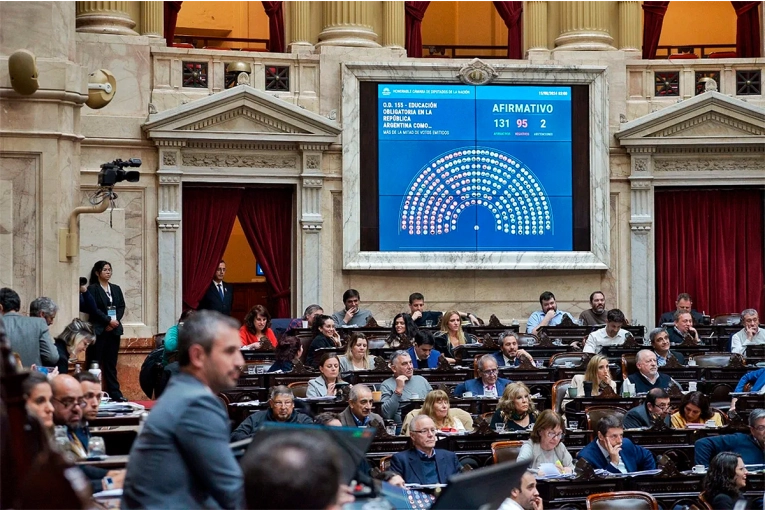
x,y
465,168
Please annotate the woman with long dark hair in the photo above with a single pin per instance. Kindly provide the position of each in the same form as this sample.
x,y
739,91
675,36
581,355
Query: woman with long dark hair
x,y
325,336
287,352
107,324
329,382
403,327
256,328
694,408
724,480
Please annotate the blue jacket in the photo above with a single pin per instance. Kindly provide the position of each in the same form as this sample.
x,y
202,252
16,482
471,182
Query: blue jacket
x,y
476,386
743,444
635,458
501,360
756,377
432,359
409,465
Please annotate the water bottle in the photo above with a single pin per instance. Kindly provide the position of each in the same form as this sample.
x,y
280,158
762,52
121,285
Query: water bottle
x,y
62,443
95,370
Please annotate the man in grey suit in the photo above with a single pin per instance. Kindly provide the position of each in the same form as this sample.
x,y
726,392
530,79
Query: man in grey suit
x,y
359,411
182,458
29,336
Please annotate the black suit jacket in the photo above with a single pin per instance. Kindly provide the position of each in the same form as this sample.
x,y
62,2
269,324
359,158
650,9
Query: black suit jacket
x,y
212,301
100,318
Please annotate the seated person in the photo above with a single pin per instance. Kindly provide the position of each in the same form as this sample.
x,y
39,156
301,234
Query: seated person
x,y
91,393
488,385
694,408
359,411
281,408
612,451
351,315
329,382
525,496
509,354
757,380
597,373
545,446
170,342
683,326
612,334
751,334
648,377
548,316
286,354
445,417
683,304
750,446
423,352
357,355
655,408
724,481
424,464
596,315
451,335
403,328
256,328
310,313
418,313
660,342
73,342
402,387
515,409
325,336
38,399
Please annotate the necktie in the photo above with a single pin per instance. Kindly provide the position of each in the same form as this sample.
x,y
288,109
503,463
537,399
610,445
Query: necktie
x,y
220,291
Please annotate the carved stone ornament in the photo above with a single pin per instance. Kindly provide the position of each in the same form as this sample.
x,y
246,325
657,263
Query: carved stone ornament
x,y
239,161
494,322
641,165
312,162
243,78
168,159
477,72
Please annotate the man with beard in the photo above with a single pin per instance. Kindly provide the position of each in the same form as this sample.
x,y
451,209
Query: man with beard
x,y
548,316
596,315
509,354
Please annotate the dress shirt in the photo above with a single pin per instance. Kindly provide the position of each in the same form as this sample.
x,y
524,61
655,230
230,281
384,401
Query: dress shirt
x,y
490,391
537,317
739,342
620,466
599,339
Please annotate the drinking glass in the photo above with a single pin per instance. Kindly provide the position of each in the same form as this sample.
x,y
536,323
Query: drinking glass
x,y
500,428
573,425
96,447
428,324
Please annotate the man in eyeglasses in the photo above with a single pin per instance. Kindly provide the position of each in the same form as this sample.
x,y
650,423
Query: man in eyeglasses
x,y
656,407
488,384
424,464
282,409
751,446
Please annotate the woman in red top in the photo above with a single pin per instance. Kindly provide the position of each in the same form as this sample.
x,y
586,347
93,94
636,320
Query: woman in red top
x,y
257,328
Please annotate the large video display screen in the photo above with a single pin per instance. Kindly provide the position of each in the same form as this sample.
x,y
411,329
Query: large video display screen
x,y
464,168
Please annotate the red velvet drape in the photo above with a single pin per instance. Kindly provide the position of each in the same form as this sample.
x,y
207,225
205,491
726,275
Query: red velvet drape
x,y
266,218
275,12
510,12
415,11
208,218
709,243
653,18
747,29
170,16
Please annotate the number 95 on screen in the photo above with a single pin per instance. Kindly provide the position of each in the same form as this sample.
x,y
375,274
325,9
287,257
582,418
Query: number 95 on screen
x,y
521,123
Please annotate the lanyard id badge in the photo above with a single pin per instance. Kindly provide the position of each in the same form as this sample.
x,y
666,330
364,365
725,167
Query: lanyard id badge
x,y
112,312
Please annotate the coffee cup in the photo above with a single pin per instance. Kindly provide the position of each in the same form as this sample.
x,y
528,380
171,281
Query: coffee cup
x,y
105,397
572,391
692,385
467,394
691,362
698,468
711,423
569,364
377,396
305,324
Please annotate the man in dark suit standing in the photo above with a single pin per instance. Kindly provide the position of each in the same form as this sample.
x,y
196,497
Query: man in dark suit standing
x,y
182,458
29,336
219,295
424,464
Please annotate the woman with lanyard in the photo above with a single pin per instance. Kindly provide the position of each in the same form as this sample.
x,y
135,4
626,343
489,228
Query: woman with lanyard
x,y
107,324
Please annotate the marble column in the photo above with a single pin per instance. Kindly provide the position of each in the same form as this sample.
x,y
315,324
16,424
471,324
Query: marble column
x,y
642,256
152,19
393,24
311,222
300,26
347,24
169,242
535,25
630,24
104,18
584,27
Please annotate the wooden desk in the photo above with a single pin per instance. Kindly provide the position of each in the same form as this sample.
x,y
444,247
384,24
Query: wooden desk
x,y
110,462
118,439
121,419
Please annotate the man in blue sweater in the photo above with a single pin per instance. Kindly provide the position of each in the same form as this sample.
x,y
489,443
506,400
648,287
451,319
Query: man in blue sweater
x,y
756,378
615,453
751,447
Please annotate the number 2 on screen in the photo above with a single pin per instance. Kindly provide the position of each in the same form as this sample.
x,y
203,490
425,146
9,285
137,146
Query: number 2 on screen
x,y
543,124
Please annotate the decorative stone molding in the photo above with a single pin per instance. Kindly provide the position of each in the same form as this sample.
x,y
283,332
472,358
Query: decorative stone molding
x,y
104,18
477,72
313,162
347,24
169,158
168,224
266,123
311,226
535,25
584,27
169,179
707,118
313,183
300,25
708,165
393,31
152,19
238,161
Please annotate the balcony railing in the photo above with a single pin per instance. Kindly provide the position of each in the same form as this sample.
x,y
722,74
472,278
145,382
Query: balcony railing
x,y
697,51
203,41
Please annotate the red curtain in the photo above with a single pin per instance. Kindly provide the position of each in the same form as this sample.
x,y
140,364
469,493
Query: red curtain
x,y
747,29
275,11
415,11
208,218
170,16
510,12
709,243
653,18
266,218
